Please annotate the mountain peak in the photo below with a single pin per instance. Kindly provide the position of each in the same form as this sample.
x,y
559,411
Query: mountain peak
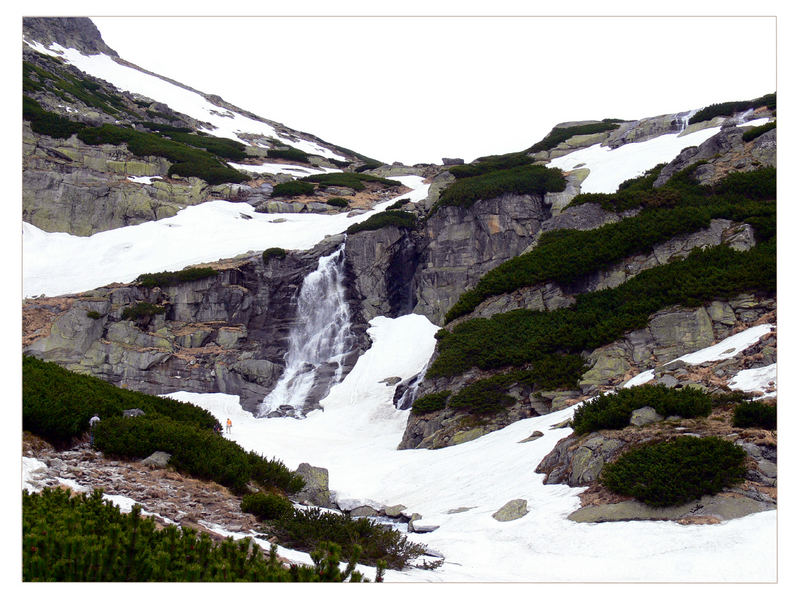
x,y
70,32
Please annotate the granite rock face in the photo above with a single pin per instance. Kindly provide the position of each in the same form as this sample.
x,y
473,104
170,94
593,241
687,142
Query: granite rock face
x,y
227,333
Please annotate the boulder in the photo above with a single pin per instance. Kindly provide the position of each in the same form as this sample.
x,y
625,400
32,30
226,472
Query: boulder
x,y
512,510
157,460
534,436
452,161
316,490
134,412
364,511
645,416
395,511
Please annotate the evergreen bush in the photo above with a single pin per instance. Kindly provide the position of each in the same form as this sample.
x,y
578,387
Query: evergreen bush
x,y
305,529
525,179
46,122
755,414
266,506
167,278
430,403
86,538
562,134
354,181
199,452
399,204
292,154
387,218
271,253
290,189
676,471
338,202
613,410
728,109
93,314
57,404
142,309
750,134
485,164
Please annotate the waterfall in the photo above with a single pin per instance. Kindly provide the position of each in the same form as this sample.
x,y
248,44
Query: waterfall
x,y
683,119
318,341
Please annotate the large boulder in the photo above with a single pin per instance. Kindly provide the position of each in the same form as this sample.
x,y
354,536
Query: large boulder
x,y
512,510
316,490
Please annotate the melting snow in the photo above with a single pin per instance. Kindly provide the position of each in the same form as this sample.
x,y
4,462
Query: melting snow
x,y
144,180
756,380
224,123
275,168
610,167
355,437
60,263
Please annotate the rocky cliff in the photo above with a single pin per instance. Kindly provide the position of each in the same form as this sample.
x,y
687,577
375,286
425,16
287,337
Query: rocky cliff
x,y
224,333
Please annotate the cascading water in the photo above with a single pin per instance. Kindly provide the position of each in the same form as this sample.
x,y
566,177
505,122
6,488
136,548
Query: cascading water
x,y
320,338
683,119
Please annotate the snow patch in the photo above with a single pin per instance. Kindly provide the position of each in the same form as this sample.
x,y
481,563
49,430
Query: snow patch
x,y
144,180
756,380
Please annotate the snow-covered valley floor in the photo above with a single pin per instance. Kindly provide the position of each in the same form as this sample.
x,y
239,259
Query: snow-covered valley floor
x,y
356,437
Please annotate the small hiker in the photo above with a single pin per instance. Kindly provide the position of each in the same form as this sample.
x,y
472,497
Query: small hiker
x,y
228,426
92,422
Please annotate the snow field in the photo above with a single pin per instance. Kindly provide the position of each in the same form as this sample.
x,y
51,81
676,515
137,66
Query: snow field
x,y
276,168
59,263
355,437
224,123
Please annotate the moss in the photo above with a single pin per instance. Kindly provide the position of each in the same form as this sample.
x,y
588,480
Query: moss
x,y
142,309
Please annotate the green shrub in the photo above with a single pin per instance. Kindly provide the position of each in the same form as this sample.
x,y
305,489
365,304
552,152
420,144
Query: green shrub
x,y
57,404
338,202
93,314
354,181
46,122
564,256
222,147
142,309
388,218
305,529
290,189
728,109
525,179
86,538
521,337
271,253
755,414
266,506
483,397
399,204
199,452
485,164
562,134
674,472
187,160
166,278
613,410
750,134
288,154
430,403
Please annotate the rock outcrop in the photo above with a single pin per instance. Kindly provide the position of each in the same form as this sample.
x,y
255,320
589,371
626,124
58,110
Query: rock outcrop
x,y
226,333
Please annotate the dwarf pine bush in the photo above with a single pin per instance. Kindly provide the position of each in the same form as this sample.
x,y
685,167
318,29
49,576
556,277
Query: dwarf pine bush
x,y
676,471
755,414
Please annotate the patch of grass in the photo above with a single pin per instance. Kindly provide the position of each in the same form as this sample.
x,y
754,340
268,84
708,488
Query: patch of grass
x,y
677,471
271,253
755,414
86,538
525,179
291,189
387,218
167,278
728,109
613,410
562,134
142,309
93,314
521,337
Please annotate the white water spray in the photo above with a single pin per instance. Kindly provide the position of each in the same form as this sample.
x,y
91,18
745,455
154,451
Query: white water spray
x,y
319,336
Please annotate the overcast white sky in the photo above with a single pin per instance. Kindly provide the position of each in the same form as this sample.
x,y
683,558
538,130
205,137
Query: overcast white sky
x,y
416,89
